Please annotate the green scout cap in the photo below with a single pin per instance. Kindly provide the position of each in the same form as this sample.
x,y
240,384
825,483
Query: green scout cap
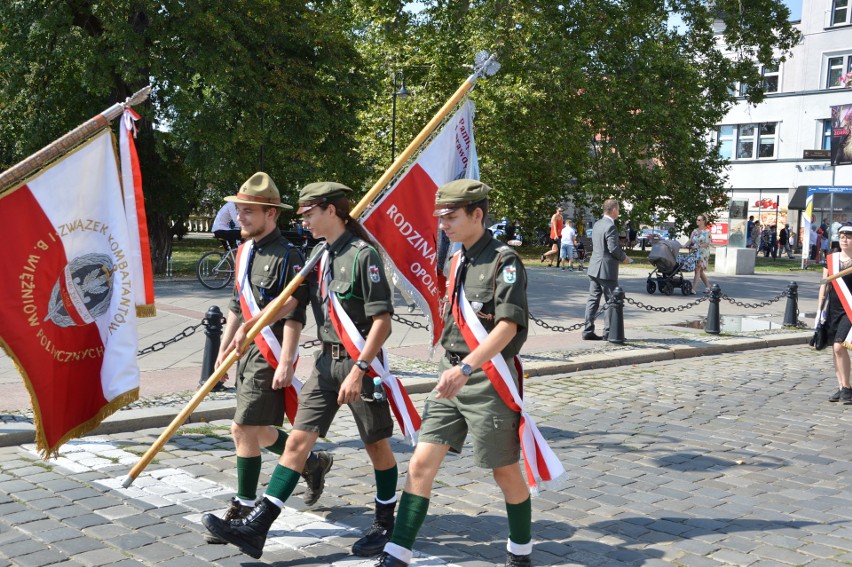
x,y
459,193
313,194
259,190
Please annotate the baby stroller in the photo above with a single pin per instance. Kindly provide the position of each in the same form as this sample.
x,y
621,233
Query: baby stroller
x,y
669,266
580,254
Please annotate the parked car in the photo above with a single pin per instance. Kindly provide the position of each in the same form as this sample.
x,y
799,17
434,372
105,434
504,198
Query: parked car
x,y
648,236
499,231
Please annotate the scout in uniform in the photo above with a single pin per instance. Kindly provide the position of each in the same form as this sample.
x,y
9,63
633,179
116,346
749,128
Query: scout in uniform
x,y
266,262
485,317
357,305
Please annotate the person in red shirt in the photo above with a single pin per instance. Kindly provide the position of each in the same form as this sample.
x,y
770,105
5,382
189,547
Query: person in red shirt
x,y
555,238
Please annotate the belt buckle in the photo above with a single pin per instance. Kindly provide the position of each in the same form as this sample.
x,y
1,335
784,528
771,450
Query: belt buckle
x,y
453,358
335,351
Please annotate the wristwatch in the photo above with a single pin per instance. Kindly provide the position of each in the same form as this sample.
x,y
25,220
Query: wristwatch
x,y
465,368
363,365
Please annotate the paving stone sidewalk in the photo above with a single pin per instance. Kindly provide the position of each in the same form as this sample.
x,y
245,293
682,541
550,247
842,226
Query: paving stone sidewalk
x,y
734,459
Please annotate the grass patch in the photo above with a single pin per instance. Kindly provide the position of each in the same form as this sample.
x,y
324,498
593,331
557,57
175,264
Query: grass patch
x,y
186,252
204,430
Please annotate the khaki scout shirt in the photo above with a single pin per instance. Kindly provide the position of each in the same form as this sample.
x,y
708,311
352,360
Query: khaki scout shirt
x,y
358,279
495,279
271,254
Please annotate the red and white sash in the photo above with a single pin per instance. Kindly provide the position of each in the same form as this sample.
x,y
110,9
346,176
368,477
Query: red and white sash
x,y
542,466
842,290
352,340
266,341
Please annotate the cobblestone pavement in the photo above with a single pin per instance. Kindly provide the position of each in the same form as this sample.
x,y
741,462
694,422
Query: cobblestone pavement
x,y
735,459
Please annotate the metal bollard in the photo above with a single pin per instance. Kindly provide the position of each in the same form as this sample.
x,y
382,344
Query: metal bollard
x,y
713,324
616,317
213,323
791,312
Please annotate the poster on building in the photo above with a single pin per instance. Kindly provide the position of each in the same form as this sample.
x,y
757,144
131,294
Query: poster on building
x,y
841,141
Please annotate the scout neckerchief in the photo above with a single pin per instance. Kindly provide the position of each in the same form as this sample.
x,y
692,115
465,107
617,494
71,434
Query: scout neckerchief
x,y
542,466
266,341
842,290
352,340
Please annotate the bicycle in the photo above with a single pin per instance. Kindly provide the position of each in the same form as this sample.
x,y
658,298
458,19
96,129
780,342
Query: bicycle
x,y
215,270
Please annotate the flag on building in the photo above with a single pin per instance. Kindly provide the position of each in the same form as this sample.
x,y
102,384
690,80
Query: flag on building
x,y
402,221
67,318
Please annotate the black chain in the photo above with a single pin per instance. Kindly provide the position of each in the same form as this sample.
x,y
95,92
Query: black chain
x,y
410,323
557,328
755,305
682,307
311,344
160,345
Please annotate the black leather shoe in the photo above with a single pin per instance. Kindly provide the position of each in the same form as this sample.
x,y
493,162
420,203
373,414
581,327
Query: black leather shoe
x,y
592,337
388,560
235,511
248,534
378,534
513,560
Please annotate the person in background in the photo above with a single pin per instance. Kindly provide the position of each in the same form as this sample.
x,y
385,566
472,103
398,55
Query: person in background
x,y
226,225
773,241
784,238
749,231
700,241
837,314
555,238
569,241
603,268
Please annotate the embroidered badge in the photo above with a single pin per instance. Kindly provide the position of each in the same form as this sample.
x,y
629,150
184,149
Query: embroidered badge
x,y
509,274
375,274
297,268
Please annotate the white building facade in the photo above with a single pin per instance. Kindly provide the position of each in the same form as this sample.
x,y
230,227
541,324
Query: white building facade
x,y
766,144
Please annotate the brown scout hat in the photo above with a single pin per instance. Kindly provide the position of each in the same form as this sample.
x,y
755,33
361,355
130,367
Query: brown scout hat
x,y
259,190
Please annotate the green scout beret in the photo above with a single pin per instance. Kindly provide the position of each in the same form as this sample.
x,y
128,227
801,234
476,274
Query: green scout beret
x,y
459,193
313,194
259,190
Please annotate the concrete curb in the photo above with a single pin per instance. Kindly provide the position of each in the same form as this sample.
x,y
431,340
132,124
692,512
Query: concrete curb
x,y
19,433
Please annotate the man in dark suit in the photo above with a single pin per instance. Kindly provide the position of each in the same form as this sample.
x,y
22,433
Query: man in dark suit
x,y
603,267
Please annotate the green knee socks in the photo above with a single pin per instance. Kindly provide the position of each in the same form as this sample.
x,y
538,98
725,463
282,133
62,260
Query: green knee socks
x,y
248,474
409,518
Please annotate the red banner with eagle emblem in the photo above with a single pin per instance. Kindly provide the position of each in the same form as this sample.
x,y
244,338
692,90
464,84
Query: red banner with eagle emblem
x,y
68,316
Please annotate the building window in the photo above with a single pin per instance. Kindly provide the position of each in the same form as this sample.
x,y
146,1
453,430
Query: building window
x,y
826,135
840,13
770,78
837,67
748,141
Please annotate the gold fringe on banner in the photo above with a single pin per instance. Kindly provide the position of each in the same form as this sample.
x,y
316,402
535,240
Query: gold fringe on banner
x,y
146,310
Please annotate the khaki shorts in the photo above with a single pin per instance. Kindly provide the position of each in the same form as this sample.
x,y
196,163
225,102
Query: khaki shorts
x,y
318,402
479,410
257,402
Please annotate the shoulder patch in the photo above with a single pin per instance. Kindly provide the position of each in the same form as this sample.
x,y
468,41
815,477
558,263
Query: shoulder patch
x,y
510,274
357,243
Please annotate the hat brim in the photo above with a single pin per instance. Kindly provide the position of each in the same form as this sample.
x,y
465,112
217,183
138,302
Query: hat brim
x,y
233,199
305,208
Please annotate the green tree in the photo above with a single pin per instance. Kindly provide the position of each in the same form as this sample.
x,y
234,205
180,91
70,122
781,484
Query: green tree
x,y
231,80
595,98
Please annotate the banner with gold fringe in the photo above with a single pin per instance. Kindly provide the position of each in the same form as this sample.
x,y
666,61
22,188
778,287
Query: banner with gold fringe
x,y
68,319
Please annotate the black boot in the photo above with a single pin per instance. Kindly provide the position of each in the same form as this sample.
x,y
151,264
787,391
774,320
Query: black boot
x,y
378,534
315,477
513,560
249,534
388,560
235,511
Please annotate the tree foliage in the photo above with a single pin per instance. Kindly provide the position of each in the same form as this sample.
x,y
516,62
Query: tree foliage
x,y
595,98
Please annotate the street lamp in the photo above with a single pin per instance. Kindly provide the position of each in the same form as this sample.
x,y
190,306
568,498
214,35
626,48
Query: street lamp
x,y
398,83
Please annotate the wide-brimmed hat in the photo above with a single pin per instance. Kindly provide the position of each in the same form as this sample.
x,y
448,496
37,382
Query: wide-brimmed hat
x,y
259,190
315,194
459,193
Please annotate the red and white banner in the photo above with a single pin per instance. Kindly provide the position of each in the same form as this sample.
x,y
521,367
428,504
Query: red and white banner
x,y
402,221
67,318
137,222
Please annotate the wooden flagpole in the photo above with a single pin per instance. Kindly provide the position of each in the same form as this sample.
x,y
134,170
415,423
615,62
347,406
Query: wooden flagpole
x,y
487,66
55,150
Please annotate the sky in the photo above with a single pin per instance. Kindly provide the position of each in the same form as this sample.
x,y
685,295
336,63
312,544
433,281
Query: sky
x,y
795,8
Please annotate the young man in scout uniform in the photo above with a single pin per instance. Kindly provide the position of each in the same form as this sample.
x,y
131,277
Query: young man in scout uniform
x,y
265,264
486,293
357,306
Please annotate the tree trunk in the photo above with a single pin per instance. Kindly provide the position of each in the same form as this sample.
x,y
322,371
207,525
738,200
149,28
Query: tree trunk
x,y
160,236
